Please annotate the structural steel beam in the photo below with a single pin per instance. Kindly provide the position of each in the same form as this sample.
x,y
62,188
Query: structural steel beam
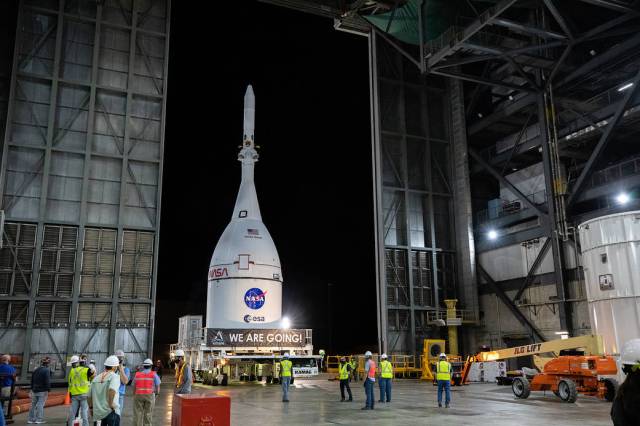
x,y
482,80
604,140
527,29
512,107
483,20
533,269
506,183
512,307
613,5
558,17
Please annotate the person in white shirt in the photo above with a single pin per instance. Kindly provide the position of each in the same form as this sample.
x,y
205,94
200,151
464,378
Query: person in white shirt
x,y
105,394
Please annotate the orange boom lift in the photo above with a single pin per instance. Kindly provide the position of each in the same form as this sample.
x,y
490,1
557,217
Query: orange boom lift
x,y
567,375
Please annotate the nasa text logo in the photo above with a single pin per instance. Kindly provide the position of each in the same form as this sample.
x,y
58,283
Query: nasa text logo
x,y
254,298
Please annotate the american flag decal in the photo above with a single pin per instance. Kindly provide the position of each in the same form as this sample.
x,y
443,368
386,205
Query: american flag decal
x,y
252,231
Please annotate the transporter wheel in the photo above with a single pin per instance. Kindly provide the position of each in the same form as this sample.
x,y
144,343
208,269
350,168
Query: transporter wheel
x,y
567,390
225,380
520,387
612,389
259,378
269,379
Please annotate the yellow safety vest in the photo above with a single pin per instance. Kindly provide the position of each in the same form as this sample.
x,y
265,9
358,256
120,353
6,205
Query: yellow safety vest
x,y
286,365
386,370
344,371
78,381
443,370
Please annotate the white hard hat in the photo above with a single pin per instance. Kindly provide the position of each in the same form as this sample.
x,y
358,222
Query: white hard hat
x,y
443,355
111,361
630,353
179,352
368,353
286,355
383,356
147,362
119,352
74,359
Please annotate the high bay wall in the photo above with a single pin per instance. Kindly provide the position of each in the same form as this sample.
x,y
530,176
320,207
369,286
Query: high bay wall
x,y
81,180
422,202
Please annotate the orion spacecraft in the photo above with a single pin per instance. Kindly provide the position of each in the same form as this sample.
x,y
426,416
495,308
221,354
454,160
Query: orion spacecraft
x,y
245,278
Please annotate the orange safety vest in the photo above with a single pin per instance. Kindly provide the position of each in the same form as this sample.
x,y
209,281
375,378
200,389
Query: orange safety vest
x,y
372,369
144,382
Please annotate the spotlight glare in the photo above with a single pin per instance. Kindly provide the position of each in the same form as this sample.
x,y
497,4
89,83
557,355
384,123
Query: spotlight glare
x,y
622,198
286,323
492,234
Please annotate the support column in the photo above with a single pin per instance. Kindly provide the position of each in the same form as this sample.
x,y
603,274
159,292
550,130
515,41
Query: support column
x,y
465,242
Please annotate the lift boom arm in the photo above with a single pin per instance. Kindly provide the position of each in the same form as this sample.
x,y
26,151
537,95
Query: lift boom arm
x,y
592,345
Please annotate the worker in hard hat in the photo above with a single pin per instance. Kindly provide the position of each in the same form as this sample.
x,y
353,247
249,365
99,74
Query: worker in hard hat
x,y
286,373
184,378
369,379
625,410
84,361
344,371
79,379
147,385
386,374
125,376
105,390
443,376
40,387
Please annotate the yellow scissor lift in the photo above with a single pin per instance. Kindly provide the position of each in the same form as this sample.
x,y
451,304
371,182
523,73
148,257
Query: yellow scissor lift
x,y
404,366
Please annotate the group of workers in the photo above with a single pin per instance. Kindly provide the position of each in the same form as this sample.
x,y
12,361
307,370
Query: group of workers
x,y
104,393
383,372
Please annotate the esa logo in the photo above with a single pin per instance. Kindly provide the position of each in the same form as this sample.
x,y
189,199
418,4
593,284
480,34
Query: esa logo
x,y
254,298
249,318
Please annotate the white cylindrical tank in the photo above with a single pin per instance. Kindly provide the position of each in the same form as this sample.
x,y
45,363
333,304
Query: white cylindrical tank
x,y
611,260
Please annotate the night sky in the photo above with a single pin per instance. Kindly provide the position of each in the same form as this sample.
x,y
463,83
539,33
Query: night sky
x,y
313,179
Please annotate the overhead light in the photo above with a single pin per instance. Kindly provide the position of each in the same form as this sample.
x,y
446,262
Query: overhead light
x,y
479,115
592,52
622,198
625,87
510,97
492,234
286,323
563,334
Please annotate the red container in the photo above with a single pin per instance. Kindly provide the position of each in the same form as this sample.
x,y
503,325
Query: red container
x,y
201,410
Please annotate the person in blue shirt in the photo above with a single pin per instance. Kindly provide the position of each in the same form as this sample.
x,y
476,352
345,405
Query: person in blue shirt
x,y
7,378
125,374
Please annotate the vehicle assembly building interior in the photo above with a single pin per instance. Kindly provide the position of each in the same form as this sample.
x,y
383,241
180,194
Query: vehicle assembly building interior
x,y
504,155
498,128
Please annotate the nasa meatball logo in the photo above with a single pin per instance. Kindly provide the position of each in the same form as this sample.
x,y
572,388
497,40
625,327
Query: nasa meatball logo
x,y
254,298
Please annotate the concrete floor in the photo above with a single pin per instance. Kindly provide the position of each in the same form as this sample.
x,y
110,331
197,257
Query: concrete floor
x,y
316,402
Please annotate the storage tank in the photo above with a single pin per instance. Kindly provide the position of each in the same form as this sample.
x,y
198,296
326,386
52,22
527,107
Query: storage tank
x,y
611,260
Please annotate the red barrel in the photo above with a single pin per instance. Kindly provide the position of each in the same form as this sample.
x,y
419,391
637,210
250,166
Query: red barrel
x,y
201,410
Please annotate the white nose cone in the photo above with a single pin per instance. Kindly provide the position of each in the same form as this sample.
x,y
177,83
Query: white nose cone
x,y
245,279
